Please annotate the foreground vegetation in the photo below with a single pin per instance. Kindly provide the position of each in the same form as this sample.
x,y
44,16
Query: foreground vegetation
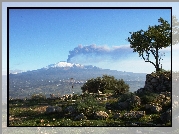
x,y
94,109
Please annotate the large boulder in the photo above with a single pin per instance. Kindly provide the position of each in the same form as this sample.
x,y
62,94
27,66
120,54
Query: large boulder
x,y
50,109
53,109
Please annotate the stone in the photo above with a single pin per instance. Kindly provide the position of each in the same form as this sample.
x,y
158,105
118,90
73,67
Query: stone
x,y
50,109
101,115
135,100
161,82
70,109
156,109
140,114
58,109
53,109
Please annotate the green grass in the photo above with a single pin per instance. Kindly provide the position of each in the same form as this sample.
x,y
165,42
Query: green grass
x,y
32,113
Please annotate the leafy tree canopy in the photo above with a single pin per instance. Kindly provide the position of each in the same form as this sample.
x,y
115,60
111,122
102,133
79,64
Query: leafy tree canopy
x,y
150,41
105,83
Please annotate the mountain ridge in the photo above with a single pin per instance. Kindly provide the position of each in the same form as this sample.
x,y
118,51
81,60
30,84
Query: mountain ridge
x,y
61,64
55,78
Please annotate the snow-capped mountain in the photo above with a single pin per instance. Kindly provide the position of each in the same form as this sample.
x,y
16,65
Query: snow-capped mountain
x,y
64,64
15,71
47,79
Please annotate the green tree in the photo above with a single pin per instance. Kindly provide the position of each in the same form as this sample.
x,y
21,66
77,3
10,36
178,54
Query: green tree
x,y
105,83
93,85
151,41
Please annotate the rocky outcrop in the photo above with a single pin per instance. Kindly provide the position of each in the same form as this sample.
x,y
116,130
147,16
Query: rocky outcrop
x,y
157,82
163,99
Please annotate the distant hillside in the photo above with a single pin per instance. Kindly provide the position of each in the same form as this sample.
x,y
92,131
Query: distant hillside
x,y
56,78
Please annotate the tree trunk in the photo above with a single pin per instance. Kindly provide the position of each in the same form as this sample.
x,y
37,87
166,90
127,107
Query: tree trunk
x,y
157,64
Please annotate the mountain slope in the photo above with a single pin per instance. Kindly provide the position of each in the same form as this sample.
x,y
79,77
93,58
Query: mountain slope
x,y
56,78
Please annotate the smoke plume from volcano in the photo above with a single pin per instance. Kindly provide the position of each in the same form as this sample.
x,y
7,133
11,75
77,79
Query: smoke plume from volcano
x,y
93,53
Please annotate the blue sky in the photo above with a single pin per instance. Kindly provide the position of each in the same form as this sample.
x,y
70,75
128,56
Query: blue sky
x,y
42,37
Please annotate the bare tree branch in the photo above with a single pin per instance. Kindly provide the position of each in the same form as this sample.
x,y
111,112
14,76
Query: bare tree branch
x,y
148,60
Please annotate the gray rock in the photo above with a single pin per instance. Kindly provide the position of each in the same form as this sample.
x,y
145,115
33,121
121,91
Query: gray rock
x,y
58,109
156,109
53,109
80,117
50,109
70,109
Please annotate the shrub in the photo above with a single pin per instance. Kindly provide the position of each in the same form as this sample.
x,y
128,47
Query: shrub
x,y
88,105
105,84
147,97
125,96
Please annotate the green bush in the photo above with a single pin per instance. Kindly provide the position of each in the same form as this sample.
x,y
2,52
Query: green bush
x,y
88,105
105,84
147,97
125,96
